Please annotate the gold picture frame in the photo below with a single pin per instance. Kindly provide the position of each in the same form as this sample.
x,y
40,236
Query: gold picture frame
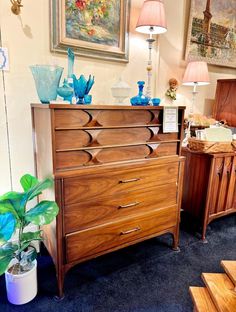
x,y
212,32
96,29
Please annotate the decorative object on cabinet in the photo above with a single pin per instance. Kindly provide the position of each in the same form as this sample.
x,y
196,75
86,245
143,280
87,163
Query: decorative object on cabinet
x,y
82,87
97,29
16,6
120,91
71,60
118,178
151,21
140,99
209,190
17,257
196,74
66,91
156,101
225,101
47,79
211,38
173,86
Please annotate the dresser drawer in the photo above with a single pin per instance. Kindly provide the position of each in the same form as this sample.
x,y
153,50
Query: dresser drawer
x,y
92,241
91,213
89,187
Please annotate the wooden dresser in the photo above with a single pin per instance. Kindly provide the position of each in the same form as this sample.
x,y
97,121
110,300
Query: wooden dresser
x,y
118,178
209,190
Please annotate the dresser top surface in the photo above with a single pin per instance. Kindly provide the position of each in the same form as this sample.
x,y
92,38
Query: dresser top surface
x,y
110,107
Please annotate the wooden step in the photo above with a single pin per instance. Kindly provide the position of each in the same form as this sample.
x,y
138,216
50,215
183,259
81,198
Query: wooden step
x,y
230,269
221,290
202,300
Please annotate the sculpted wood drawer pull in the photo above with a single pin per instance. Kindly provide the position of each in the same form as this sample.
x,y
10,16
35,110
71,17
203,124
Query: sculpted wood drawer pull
x,y
130,180
129,205
130,231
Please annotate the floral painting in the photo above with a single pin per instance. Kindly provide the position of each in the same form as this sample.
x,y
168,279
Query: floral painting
x,y
212,32
94,28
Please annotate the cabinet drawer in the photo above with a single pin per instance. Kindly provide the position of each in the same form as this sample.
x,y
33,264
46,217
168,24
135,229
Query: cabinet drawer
x,y
89,187
92,241
92,213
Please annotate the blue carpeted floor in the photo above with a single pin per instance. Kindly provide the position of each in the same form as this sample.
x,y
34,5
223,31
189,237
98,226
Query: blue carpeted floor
x,y
146,277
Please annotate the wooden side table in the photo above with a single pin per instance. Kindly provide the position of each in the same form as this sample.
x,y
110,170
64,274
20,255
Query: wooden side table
x,y
209,189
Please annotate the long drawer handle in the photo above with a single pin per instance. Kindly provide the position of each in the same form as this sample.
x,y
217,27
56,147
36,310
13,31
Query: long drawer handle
x,y
130,180
129,205
130,231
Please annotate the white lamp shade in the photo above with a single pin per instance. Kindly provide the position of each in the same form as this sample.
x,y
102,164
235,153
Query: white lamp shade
x,y
152,18
196,73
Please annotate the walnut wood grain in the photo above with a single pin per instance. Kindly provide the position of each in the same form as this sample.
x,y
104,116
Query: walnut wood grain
x,y
71,118
101,238
71,139
121,117
107,182
90,213
123,136
67,160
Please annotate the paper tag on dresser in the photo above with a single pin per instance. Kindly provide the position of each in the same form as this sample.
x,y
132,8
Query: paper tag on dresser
x,y
170,119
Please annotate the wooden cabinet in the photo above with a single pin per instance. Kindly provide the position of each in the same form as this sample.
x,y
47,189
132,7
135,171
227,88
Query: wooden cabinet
x,y
118,178
209,190
225,101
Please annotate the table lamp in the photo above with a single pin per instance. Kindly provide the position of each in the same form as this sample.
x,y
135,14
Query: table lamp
x,y
196,74
151,21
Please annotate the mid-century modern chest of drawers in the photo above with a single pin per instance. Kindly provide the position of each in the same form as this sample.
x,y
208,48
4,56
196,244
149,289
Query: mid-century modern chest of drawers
x,y
118,178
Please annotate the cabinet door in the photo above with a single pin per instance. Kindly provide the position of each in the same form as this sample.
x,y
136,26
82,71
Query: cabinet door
x,y
223,185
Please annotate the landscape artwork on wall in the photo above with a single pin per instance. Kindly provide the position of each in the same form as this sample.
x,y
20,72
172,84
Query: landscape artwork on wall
x,y
93,28
212,32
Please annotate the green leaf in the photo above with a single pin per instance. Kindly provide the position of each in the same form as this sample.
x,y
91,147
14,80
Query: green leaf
x,y
28,181
30,236
42,213
7,226
6,206
17,200
6,255
38,188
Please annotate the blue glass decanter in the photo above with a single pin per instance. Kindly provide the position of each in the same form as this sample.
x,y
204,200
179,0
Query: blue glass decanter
x,y
140,99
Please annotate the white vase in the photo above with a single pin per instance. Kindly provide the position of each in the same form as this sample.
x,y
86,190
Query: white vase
x,y
22,288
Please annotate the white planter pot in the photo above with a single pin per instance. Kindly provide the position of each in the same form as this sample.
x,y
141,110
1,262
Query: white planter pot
x,y
22,288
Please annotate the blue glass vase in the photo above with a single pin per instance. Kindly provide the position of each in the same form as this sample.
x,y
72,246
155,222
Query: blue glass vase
x,y
82,86
47,78
140,99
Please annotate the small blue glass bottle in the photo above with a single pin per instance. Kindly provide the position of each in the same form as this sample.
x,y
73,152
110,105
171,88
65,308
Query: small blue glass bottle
x,y
140,99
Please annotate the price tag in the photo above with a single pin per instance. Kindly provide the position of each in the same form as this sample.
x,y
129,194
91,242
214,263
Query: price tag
x,y
170,119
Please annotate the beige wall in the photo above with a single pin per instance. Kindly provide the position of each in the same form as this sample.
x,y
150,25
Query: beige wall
x,y
27,38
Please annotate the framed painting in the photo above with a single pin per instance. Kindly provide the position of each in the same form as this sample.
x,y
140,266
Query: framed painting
x,y
92,28
212,32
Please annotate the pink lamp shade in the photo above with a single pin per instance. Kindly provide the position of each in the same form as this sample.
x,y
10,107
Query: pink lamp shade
x,y
152,18
196,73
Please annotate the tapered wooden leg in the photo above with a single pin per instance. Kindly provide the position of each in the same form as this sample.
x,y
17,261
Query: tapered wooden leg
x,y
60,285
175,245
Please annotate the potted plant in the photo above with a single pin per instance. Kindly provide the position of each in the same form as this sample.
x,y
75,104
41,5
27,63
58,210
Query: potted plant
x,y
18,256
